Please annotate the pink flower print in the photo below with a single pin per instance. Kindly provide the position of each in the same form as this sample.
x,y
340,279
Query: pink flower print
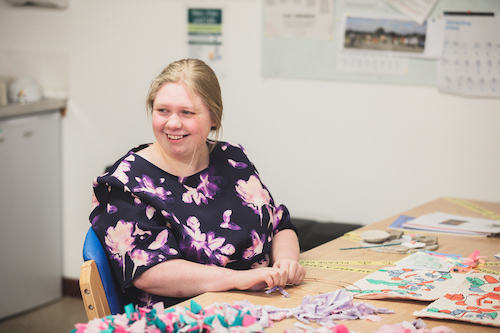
x,y
160,243
206,189
167,215
213,243
199,244
143,235
139,258
222,256
120,172
257,246
253,194
276,215
119,241
192,195
227,224
150,211
225,145
208,184
193,230
263,263
147,185
237,165
95,202
216,252
147,300
111,209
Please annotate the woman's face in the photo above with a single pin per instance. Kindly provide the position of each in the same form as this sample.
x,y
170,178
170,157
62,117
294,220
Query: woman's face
x,y
181,124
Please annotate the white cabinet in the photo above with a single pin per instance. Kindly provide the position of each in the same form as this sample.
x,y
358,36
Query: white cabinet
x,y
30,211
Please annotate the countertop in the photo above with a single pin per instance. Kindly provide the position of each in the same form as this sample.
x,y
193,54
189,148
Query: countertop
x,y
14,110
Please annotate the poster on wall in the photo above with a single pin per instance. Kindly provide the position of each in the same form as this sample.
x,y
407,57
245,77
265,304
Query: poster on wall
x,y
205,38
299,18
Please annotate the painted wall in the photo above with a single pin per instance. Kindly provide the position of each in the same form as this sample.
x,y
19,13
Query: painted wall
x,y
330,151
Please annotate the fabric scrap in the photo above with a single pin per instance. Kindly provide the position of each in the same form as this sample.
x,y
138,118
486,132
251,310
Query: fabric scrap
x,y
323,309
280,289
417,326
216,318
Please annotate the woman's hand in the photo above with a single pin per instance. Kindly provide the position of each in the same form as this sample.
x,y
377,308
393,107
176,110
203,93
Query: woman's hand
x,y
285,255
294,271
260,278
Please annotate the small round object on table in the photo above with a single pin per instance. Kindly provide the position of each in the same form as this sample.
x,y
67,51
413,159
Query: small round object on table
x,y
375,236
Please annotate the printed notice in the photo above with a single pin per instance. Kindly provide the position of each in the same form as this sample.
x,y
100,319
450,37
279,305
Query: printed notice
x,y
299,18
205,37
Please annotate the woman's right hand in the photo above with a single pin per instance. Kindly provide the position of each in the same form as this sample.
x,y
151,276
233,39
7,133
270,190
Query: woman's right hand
x,y
260,278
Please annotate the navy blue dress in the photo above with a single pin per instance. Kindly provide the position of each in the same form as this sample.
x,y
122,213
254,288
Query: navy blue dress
x,y
221,216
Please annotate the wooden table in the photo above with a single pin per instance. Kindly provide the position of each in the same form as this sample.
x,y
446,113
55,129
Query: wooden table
x,y
453,244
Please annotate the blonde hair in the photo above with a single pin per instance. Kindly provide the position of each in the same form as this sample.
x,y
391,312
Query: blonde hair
x,y
199,78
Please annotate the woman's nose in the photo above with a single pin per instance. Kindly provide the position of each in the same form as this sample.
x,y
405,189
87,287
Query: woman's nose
x,y
173,121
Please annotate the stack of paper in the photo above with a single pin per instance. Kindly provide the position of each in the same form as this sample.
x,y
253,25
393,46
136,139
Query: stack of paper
x,y
443,222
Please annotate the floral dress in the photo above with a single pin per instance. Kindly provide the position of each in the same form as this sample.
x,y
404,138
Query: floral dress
x,y
221,216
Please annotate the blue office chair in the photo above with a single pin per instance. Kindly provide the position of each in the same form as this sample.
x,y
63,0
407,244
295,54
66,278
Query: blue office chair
x,y
100,290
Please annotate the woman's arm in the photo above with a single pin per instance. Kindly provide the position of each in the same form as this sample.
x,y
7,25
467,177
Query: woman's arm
x,y
181,278
285,255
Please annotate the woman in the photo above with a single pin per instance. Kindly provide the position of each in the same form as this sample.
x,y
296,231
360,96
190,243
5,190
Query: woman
x,y
186,215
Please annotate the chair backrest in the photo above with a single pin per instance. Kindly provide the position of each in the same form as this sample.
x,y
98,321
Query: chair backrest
x,y
113,295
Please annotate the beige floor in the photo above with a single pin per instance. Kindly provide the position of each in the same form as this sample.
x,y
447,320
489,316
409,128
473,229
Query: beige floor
x,y
57,317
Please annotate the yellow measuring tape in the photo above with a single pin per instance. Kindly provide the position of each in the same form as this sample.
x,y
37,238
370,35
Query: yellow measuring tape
x,y
342,268
352,237
490,264
344,262
475,208
488,271
334,264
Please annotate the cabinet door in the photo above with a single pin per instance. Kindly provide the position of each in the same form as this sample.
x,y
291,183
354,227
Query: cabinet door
x,y
30,212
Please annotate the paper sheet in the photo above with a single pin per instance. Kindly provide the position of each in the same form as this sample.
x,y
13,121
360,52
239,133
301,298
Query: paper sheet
x,y
476,300
299,18
406,283
422,260
445,222
417,10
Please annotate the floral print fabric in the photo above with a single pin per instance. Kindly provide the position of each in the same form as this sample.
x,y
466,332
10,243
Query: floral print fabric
x,y
222,216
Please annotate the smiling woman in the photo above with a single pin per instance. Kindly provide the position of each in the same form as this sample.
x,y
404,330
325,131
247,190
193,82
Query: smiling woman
x,y
181,125
186,215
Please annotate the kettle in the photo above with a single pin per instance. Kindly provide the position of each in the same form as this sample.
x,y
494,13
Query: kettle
x,y
24,91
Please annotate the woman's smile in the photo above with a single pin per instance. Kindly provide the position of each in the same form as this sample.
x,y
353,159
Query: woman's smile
x,y
181,122
175,137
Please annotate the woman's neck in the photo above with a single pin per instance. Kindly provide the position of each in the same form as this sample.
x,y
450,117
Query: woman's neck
x,y
175,166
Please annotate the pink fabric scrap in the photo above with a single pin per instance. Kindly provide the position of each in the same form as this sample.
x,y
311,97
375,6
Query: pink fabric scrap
x,y
417,326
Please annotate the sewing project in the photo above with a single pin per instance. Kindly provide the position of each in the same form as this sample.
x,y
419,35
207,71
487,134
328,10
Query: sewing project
x,y
476,300
406,283
423,260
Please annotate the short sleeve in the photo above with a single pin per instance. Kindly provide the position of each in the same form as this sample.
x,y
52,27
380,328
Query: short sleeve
x,y
131,224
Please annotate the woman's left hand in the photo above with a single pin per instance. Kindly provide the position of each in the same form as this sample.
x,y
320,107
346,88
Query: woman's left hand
x,y
295,272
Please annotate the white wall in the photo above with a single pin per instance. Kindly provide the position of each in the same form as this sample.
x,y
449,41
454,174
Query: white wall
x,y
331,151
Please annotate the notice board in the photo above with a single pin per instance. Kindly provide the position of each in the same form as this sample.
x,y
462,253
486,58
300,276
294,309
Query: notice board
x,y
324,57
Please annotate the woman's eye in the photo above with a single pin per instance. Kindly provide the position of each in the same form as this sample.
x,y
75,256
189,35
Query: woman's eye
x,y
188,113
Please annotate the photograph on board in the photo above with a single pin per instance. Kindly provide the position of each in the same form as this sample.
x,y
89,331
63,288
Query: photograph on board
x,y
384,34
